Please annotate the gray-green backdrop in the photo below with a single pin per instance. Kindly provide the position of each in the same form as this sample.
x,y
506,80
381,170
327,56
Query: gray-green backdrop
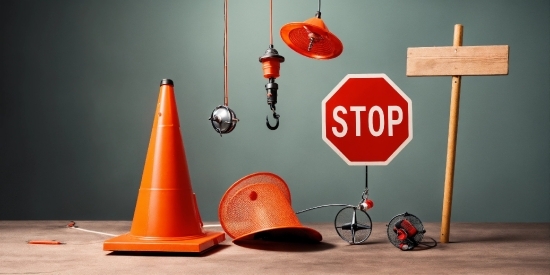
x,y
79,84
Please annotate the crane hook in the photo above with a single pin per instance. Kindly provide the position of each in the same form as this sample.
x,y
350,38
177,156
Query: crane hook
x,y
276,117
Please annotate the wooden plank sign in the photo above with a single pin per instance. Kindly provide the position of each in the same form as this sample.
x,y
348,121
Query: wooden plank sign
x,y
455,61
472,60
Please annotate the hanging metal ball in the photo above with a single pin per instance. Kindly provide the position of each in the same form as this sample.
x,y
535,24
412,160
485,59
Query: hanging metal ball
x,y
223,119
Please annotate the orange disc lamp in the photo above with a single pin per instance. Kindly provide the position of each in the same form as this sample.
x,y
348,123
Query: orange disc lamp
x,y
312,38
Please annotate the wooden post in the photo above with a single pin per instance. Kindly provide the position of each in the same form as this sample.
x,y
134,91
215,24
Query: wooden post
x,y
455,61
451,146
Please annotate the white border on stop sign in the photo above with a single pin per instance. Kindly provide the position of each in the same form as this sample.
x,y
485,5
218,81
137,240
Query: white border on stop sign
x,y
335,149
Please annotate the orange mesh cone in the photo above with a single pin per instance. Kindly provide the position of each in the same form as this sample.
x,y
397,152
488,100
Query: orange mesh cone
x,y
261,210
254,178
312,39
166,216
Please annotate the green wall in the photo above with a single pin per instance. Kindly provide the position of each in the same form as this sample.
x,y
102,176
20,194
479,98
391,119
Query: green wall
x,y
79,83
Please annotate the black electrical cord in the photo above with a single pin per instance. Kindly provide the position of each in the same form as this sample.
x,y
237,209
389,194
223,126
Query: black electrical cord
x,y
324,205
429,245
318,13
319,9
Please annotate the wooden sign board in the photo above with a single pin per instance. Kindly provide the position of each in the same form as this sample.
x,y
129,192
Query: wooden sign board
x,y
449,61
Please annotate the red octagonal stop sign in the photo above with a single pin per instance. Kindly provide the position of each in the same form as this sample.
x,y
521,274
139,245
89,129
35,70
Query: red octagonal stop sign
x,y
367,119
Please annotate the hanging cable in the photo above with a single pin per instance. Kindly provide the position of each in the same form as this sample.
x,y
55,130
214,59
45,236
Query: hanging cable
x,y
223,119
319,10
271,23
225,86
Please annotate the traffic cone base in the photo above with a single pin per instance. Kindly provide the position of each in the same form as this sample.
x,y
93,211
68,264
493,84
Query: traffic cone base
x,y
129,242
166,217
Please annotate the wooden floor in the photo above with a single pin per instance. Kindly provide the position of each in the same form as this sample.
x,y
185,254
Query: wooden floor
x,y
475,248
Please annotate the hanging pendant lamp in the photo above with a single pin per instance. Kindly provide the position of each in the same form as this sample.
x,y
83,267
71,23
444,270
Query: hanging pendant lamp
x,y
312,38
271,63
223,119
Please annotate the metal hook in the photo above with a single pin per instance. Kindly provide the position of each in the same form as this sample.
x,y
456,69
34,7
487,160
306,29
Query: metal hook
x,y
275,116
365,194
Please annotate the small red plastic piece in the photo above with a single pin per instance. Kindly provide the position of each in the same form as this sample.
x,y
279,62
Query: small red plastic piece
x,y
44,242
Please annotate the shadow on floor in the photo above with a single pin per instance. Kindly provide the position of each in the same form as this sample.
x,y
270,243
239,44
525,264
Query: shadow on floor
x,y
212,250
285,246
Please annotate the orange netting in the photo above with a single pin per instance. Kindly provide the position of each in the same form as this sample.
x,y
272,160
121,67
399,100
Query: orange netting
x,y
260,204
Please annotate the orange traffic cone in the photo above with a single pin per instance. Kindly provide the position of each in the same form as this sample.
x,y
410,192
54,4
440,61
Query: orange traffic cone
x,y
166,217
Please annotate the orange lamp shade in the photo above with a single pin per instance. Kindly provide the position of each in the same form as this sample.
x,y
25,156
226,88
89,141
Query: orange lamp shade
x,y
312,39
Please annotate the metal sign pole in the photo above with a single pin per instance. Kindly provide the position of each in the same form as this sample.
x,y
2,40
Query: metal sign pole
x,y
366,177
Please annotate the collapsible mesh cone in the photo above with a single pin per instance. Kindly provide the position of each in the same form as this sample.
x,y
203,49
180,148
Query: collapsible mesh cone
x,y
312,39
166,216
262,210
257,177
